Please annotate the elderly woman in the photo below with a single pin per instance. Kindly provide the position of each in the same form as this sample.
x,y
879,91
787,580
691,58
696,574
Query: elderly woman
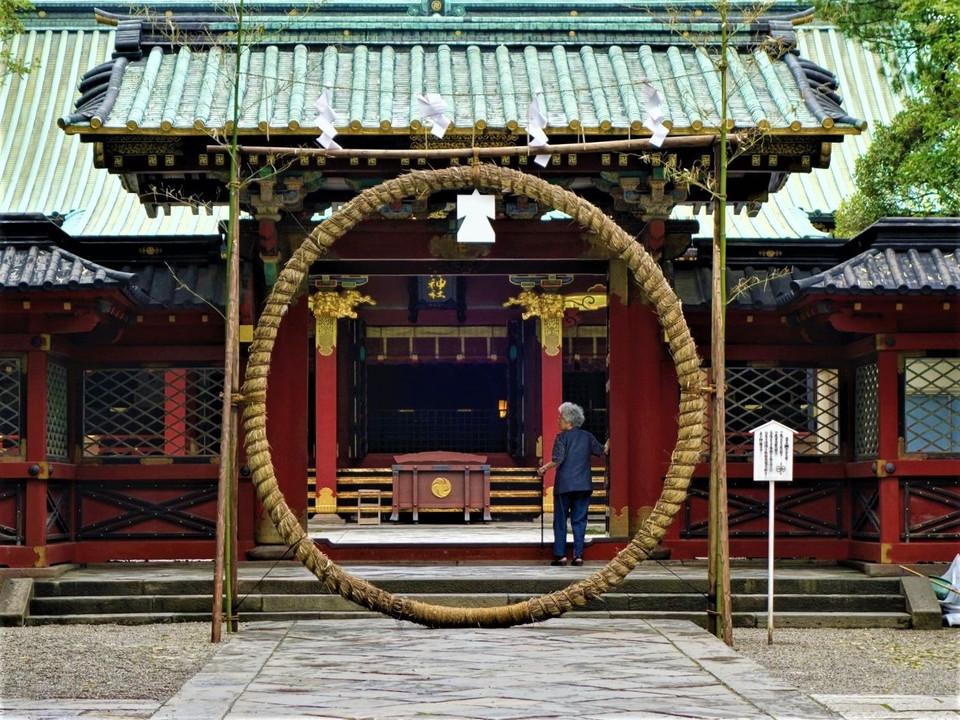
x,y
572,486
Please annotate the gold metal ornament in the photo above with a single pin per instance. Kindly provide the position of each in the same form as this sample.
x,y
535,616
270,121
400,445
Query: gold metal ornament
x,y
328,307
441,487
549,308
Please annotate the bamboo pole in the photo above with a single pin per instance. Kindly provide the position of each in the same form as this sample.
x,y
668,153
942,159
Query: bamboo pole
x,y
683,141
231,359
233,624
216,622
226,484
227,493
720,619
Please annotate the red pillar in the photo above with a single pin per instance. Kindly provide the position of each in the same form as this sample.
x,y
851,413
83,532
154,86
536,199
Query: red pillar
x,y
35,502
551,395
325,414
619,394
287,416
888,409
646,412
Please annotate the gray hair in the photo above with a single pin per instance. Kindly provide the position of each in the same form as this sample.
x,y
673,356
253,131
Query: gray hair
x,y
572,413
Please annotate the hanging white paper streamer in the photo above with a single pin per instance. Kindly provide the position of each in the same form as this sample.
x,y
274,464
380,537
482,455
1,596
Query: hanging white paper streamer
x,y
654,121
475,209
433,107
325,120
535,127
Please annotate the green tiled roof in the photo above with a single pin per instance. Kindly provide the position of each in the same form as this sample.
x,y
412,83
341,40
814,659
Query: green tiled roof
x,y
177,75
596,90
49,172
55,175
866,94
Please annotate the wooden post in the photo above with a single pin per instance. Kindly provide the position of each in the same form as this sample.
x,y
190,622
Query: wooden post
x,y
35,516
551,395
890,510
288,400
619,374
328,308
325,426
646,480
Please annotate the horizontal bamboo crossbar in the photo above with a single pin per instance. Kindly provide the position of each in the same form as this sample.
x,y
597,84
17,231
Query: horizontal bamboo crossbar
x,y
682,141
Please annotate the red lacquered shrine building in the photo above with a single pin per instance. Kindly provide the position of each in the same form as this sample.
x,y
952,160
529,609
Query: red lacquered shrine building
x,y
408,350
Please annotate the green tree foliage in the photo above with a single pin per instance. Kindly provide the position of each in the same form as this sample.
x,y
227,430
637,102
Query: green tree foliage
x,y
913,164
10,26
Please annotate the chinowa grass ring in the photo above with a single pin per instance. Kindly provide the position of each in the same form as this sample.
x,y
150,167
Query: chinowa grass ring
x,y
691,413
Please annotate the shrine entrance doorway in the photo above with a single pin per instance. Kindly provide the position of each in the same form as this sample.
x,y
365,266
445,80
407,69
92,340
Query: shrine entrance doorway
x,y
469,376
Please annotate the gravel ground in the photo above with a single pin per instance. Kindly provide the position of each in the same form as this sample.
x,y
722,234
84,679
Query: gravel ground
x,y
102,661
153,661
859,662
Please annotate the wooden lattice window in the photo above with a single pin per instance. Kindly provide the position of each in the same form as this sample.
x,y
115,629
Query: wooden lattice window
x,y
165,412
57,429
805,399
866,416
931,405
11,406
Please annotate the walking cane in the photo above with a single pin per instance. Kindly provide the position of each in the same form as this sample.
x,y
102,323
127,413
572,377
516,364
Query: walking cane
x,y
541,511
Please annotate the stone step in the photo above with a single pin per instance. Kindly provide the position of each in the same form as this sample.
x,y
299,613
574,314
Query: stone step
x,y
269,603
80,605
820,603
506,584
896,620
740,620
146,618
177,594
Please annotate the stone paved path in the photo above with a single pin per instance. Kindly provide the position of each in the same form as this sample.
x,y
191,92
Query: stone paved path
x,y
566,668
570,668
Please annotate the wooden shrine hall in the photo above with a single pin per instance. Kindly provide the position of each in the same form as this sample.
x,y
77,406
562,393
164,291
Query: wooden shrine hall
x,y
417,377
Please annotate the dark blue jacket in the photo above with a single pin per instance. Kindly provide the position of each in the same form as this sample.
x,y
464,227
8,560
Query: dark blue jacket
x,y
572,450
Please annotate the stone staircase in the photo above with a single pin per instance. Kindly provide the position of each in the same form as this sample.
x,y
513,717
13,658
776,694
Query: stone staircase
x,y
287,592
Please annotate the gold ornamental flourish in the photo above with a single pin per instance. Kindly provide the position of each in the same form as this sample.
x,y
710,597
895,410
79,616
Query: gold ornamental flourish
x,y
549,308
652,283
328,307
585,301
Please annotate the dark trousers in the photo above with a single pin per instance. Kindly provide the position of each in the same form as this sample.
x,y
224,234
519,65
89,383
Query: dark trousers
x,y
574,505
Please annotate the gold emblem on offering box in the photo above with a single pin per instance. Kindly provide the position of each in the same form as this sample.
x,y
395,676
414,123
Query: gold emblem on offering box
x,y
440,487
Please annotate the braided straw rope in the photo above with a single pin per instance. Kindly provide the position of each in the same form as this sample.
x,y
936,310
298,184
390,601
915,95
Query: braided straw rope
x,y
654,285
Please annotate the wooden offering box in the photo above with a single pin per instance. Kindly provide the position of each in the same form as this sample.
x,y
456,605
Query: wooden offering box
x,y
437,481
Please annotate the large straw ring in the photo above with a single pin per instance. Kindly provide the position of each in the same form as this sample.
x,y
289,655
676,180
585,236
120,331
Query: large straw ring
x,y
652,283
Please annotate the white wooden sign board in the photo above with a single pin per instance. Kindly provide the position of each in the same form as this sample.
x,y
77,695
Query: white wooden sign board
x,y
772,452
772,463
